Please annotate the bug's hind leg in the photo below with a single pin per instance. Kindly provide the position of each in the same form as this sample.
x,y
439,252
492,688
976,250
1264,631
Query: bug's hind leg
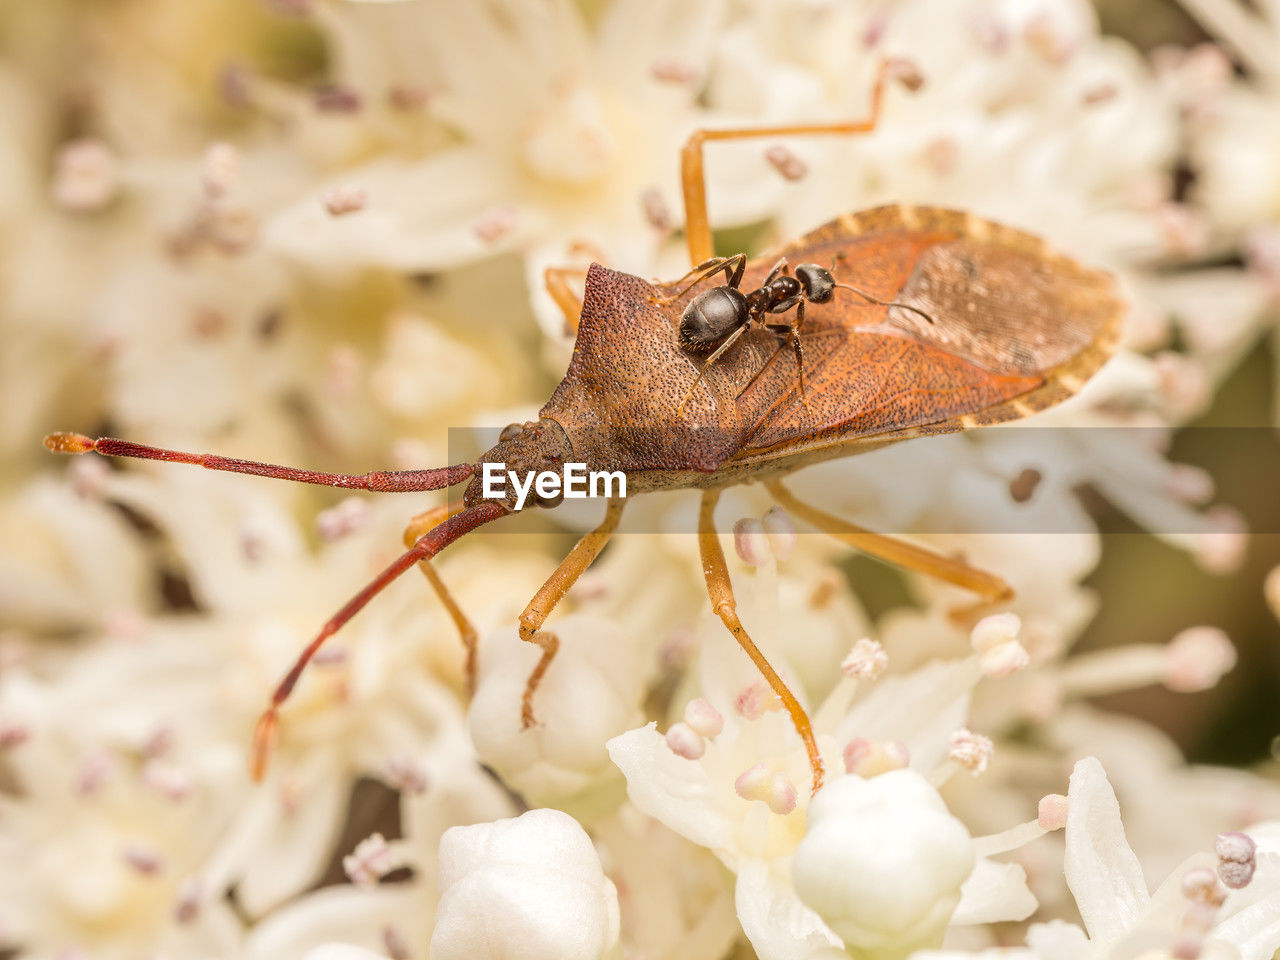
x,y
552,592
693,180
720,591
466,629
993,590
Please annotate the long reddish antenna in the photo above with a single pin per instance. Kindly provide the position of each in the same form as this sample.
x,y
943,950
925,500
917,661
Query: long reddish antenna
x,y
380,481
426,547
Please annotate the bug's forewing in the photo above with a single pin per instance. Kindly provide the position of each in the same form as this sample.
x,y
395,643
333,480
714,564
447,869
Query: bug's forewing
x,y
1015,328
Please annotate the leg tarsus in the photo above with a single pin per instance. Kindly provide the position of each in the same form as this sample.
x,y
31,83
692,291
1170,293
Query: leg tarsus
x,y
467,632
552,592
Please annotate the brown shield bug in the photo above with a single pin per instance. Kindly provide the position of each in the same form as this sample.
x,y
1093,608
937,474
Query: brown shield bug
x,y
951,322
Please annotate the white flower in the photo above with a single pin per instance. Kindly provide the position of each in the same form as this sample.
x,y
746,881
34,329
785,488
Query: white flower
x,y
882,862
746,798
530,887
1189,915
591,692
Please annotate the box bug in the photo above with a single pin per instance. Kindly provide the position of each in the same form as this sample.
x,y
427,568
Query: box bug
x,y
951,322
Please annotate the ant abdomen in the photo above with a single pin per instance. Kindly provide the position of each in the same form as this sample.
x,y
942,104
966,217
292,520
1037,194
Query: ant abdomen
x,y
710,317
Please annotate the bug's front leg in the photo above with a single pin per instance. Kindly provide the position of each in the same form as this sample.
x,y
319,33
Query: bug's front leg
x,y
467,633
552,592
720,590
993,590
556,280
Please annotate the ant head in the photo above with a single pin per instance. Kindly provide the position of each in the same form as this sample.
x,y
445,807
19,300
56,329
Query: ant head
x,y
817,282
522,448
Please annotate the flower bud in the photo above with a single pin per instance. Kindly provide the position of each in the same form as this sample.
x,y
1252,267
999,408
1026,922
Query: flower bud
x,y
530,887
882,862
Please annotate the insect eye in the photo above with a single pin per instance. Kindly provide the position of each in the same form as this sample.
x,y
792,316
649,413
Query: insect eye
x,y
511,431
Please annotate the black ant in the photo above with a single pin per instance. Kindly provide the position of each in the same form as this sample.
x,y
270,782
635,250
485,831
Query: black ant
x,y
715,319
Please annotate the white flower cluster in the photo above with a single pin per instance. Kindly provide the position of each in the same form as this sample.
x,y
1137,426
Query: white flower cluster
x,y
314,232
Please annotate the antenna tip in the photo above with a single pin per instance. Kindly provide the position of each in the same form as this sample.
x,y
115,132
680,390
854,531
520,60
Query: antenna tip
x,y
63,442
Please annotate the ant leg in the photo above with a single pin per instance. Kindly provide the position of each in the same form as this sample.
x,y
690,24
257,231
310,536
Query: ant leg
x,y
993,590
556,280
781,268
467,633
693,180
720,592
552,592
733,268
729,342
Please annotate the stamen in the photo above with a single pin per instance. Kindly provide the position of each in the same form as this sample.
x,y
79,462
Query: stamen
x,y
755,700
971,750
143,859
762,782
1052,816
1198,658
685,742
372,859
87,176
167,780
780,531
703,718
867,759
866,660
1237,859
750,542
347,517
995,640
190,899
341,200
1271,591
790,166
406,775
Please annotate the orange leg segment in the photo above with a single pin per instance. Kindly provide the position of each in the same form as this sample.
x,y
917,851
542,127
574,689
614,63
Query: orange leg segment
x,y
693,177
557,280
552,592
991,588
418,526
720,590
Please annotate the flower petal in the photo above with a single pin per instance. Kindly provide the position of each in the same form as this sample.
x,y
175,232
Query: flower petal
x,y
1102,871
778,925
671,789
993,893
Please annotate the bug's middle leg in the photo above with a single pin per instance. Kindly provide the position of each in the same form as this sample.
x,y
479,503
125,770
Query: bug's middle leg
x,y
720,591
466,629
552,592
993,590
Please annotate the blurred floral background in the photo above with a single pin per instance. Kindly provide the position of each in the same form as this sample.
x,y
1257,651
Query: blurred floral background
x,y
314,231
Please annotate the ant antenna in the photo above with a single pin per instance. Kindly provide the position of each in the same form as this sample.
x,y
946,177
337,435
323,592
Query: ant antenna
x,y
887,303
